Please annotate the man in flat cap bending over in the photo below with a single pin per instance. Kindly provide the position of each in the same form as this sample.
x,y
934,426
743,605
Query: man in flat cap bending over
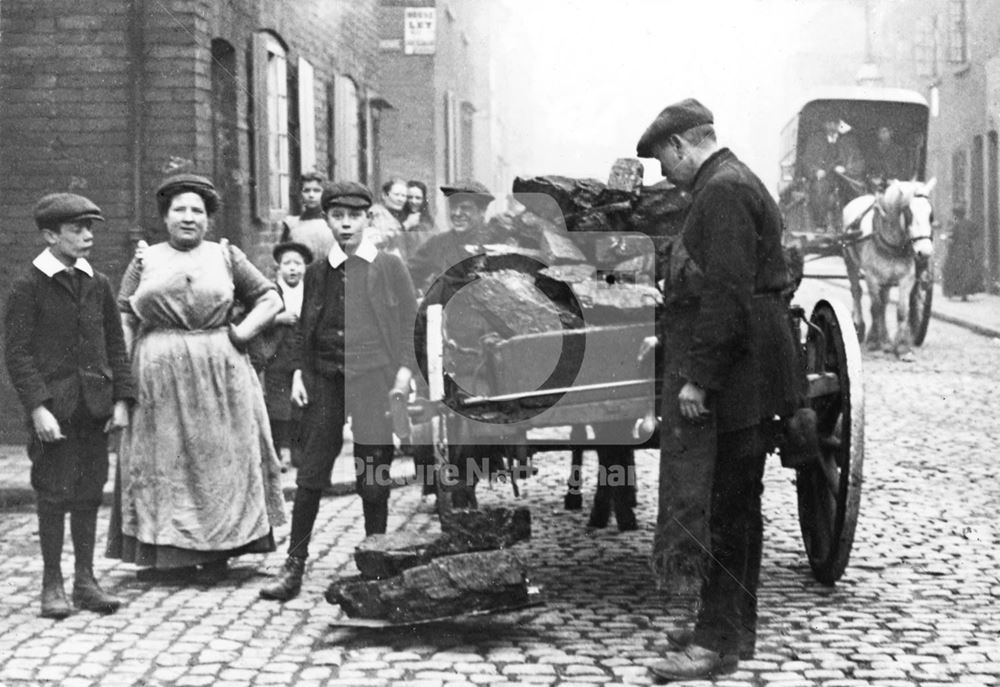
x,y
729,371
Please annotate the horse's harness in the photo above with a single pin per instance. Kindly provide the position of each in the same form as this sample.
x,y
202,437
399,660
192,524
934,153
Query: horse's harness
x,y
903,247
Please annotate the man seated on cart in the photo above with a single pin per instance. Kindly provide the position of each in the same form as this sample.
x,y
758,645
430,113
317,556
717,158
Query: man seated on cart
x,y
887,160
832,159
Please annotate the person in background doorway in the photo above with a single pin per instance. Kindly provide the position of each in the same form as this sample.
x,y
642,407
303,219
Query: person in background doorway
x,y
963,264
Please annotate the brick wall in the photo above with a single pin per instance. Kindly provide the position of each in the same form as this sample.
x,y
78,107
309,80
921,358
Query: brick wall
x,y
68,77
413,143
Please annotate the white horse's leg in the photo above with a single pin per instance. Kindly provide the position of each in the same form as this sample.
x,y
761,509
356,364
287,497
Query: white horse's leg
x,y
876,333
903,346
851,261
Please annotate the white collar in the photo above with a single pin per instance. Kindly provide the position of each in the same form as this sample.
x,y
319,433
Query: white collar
x,y
366,251
50,265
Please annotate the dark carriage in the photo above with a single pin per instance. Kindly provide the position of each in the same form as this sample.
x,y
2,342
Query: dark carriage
x,y
862,111
586,259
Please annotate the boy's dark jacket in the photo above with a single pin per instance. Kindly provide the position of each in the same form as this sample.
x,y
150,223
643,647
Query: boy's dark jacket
x,y
61,349
390,291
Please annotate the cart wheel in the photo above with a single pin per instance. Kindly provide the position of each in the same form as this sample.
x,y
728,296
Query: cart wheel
x,y
829,492
920,304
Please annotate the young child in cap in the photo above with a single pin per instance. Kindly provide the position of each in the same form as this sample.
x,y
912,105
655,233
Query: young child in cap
x,y
67,360
278,357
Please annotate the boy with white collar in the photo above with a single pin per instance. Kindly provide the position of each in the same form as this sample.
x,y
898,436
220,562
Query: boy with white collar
x,y
355,342
67,360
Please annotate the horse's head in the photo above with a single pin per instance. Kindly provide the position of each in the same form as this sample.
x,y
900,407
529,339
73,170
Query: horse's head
x,y
910,201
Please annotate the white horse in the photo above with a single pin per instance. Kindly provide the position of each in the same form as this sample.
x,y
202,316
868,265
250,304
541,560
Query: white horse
x,y
893,233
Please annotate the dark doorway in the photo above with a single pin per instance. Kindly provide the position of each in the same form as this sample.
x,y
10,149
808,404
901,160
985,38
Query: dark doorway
x,y
225,138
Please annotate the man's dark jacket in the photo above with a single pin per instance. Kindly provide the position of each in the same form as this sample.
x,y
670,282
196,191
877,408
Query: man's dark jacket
x,y
392,298
727,317
820,154
63,348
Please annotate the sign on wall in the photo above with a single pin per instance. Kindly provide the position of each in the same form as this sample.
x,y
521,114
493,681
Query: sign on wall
x,y
419,28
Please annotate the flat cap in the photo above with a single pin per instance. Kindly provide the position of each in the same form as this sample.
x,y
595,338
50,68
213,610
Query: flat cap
x,y
675,119
467,186
300,248
349,194
56,208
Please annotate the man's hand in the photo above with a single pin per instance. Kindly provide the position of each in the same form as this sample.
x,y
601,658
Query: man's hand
x,y
840,169
119,417
646,347
692,402
299,396
820,174
46,425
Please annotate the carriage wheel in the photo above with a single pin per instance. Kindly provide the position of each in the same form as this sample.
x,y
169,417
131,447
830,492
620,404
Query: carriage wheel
x,y
829,492
920,304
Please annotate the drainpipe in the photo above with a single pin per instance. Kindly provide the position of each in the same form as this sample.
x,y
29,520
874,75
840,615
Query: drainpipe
x,y
137,109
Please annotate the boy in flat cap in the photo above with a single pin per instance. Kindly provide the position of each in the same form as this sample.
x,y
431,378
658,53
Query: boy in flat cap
x,y
67,360
354,346
730,368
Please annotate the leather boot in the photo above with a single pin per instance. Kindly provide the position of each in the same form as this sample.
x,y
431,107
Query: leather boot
x,y
682,638
289,583
87,594
54,603
51,527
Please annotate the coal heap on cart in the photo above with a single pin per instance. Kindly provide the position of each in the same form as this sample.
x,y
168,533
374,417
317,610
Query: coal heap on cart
x,y
572,267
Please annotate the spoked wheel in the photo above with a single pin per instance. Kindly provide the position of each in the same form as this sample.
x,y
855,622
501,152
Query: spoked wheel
x,y
829,492
920,302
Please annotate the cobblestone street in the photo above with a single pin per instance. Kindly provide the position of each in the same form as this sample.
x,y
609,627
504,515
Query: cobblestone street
x,y
918,605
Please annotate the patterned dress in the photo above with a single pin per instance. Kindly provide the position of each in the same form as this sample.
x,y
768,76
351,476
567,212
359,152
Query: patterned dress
x,y
199,478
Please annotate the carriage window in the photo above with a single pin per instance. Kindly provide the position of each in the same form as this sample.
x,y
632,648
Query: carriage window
x,y
958,45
